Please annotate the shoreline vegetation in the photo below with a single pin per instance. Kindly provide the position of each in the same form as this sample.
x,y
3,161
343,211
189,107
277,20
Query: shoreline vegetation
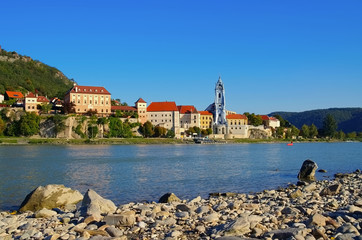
x,y
135,141
326,209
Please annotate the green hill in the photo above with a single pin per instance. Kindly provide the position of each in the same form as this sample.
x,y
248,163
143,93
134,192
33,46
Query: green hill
x,y
22,73
348,119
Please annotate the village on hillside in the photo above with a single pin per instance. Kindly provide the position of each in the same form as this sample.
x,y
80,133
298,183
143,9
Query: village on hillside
x,y
180,119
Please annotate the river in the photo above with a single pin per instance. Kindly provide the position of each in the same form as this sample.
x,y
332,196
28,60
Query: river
x,y
125,173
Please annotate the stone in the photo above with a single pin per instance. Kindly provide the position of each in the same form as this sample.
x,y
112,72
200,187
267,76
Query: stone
x,y
203,209
331,190
182,215
318,220
114,232
353,209
307,171
127,218
213,217
168,198
45,213
296,194
238,227
287,233
53,237
95,205
322,170
183,208
310,187
348,228
51,196
196,200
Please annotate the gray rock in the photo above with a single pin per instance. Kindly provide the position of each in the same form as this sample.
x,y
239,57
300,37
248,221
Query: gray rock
x,y
50,196
168,198
287,233
114,232
331,190
238,227
307,171
213,217
183,208
127,218
45,213
94,205
203,209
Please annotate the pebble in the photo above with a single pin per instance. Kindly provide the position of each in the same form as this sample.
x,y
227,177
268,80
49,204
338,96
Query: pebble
x,y
319,210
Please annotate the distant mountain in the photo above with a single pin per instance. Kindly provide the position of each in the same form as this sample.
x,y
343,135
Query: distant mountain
x,y
348,119
22,73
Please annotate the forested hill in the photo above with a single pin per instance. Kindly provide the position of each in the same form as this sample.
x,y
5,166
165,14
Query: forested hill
x,y
348,119
22,73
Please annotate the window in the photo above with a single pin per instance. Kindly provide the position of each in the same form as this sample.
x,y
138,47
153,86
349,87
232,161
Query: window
x,y
74,101
106,110
102,110
78,101
28,107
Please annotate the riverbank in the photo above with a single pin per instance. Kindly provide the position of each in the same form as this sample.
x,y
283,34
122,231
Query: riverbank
x,y
319,210
132,141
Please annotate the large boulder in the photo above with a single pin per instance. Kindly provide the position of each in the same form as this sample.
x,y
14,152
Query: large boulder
x,y
95,205
51,196
307,171
168,198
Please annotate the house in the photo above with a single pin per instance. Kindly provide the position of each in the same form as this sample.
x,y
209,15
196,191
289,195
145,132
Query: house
x,y
31,103
141,106
17,96
237,125
206,119
11,95
164,114
270,122
189,116
42,100
88,98
2,98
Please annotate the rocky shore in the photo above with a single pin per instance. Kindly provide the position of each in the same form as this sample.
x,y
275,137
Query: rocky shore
x,y
328,209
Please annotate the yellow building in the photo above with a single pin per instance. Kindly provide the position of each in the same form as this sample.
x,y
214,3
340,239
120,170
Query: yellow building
x,y
87,98
206,119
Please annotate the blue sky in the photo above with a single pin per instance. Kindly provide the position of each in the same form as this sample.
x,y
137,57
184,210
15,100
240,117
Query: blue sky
x,y
271,55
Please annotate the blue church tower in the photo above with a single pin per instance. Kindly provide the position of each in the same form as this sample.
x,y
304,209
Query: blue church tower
x,y
220,123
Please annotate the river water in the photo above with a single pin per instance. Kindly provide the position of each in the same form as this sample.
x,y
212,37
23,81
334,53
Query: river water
x,y
125,173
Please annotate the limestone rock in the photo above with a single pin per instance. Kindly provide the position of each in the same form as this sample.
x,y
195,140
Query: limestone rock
x,y
95,205
238,227
318,220
127,218
296,194
307,171
331,190
50,196
45,213
168,198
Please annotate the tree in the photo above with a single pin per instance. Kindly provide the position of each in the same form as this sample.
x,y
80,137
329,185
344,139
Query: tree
x,y
305,131
29,124
69,108
160,131
2,126
170,134
46,107
283,122
313,131
340,135
254,120
352,135
329,126
147,129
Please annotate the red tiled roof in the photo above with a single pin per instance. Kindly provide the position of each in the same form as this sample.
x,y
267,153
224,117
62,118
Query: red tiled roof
x,y
273,118
123,108
186,109
264,117
205,113
30,95
42,99
236,116
89,90
14,94
141,101
162,107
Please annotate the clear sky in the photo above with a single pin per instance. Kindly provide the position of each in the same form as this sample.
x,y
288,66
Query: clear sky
x,y
271,55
